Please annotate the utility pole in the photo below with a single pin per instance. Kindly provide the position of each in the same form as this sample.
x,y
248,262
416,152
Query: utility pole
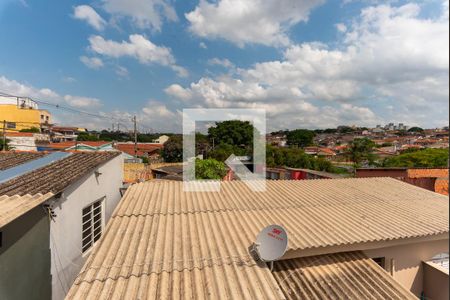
x,y
4,135
135,137
112,127
118,127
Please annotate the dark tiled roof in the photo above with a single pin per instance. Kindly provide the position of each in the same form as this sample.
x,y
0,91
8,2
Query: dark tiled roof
x,y
12,159
56,176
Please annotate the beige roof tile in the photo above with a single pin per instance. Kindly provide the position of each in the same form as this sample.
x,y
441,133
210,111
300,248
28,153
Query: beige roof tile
x,y
12,207
159,231
348,275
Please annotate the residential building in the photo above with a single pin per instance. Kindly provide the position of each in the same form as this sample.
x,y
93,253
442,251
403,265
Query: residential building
x,y
82,146
53,209
22,113
149,150
62,134
161,140
27,141
359,238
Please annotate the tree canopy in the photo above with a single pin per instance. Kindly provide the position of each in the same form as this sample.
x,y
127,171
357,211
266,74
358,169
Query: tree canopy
x,y
296,158
209,169
233,132
361,150
415,129
428,158
300,137
173,149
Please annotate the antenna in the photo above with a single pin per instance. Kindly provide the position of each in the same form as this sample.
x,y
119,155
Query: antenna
x,y
271,243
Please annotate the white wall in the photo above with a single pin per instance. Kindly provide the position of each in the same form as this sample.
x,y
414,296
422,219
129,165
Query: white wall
x,y
65,232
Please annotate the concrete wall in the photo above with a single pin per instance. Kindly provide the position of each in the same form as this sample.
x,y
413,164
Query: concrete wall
x,y
435,282
406,261
66,230
25,257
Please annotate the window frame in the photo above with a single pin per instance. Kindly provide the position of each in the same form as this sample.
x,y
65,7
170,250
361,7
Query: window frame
x,y
95,224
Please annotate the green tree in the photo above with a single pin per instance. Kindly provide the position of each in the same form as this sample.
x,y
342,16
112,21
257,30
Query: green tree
x,y
4,146
415,129
173,149
84,136
209,169
233,132
361,150
32,129
223,151
428,158
300,137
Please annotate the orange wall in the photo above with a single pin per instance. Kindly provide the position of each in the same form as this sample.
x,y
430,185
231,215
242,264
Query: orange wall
x,y
420,173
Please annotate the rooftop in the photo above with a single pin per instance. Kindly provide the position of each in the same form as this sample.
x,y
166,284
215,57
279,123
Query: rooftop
x,y
56,176
162,242
15,206
12,159
142,148
347,275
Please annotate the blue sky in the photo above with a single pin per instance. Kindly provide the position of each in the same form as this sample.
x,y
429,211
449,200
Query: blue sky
x,y
311,63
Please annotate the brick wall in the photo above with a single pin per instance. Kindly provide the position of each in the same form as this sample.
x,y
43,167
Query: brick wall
x,y
420,173
441,186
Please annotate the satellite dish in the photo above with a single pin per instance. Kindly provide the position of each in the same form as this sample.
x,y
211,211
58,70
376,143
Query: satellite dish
x,y
271,243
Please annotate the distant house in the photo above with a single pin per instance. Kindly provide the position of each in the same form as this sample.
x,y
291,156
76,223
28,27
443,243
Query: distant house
x,y
62,134
359,238
82,146
320,151
53,209
27,141
148,150
161,140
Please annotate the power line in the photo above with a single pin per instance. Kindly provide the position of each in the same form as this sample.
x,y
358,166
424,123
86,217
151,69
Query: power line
x,y
57,106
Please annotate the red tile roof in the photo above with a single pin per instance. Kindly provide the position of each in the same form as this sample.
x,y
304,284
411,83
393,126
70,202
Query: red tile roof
x,y
68,144
142,148
19,134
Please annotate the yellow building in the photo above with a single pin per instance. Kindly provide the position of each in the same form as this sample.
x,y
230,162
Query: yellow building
x,y
22,113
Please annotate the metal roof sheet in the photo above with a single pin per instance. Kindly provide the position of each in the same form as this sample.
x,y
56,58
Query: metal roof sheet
x,y
15,206
348,275
164,241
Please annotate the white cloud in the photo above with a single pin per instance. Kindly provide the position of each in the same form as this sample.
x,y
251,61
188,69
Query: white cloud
x,y
221,62
139,48
88,14
122,71
92,62
179,92
249,21
388,56
203,45
82,102
143,13
341,27
45,94
68,79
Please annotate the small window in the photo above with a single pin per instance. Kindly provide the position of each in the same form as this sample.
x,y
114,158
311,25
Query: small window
x,y
92,221
11,125
380,261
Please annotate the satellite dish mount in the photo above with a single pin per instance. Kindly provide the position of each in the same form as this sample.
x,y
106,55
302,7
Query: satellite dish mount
x,y
271,243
